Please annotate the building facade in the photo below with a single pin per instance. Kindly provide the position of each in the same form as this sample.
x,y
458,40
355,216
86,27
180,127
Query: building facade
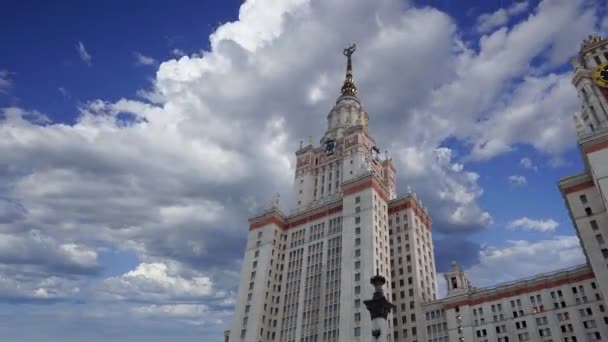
x,y
567,305
304,275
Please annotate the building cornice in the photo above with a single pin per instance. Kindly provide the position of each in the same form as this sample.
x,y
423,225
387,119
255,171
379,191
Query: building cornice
x,y
363,182
575,183
312,214
519,287
406,202
274,216
304,149
595,141
271,216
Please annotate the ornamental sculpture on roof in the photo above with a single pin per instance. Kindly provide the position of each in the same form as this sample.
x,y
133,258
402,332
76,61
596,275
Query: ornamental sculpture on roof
x,y
592,41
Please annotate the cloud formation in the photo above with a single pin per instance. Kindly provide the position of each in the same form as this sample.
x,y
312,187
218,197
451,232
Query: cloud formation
x,y
518,180
5,81
83,54
525,223
141,59
527,163
172,178
489,21
520,259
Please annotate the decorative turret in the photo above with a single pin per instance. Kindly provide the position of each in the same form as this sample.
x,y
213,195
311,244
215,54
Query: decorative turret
x,y
593,41
457,280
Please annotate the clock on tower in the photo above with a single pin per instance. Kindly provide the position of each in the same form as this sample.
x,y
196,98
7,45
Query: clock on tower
x,y
600,76
330,147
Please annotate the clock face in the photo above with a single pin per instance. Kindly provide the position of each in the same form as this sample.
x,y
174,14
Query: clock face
x,y
600,76
330,146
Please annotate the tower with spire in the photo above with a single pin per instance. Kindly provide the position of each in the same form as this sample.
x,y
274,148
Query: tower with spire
x,y
586,193
304,273
345,151
591,81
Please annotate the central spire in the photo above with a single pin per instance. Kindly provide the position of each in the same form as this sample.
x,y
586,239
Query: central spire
x,y
349,88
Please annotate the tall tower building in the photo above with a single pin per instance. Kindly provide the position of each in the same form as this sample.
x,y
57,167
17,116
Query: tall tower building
x,y
585,193
305,275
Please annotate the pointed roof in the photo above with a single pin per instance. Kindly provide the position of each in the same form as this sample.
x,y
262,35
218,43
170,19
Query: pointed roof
x,y
349,88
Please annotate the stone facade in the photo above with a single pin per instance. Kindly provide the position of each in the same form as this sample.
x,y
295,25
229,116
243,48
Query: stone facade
x,y
566,305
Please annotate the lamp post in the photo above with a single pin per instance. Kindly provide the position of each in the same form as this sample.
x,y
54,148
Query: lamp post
x,y
379,308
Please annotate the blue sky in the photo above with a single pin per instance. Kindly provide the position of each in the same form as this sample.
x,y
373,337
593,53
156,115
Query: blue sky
x,y
136,140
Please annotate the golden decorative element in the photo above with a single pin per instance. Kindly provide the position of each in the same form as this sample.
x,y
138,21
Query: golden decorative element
x,y
349,88
600,76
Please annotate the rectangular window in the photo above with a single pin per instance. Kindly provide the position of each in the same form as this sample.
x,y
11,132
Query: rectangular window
x,y
357,331
583,199
357,220
593,224
600,239
357,200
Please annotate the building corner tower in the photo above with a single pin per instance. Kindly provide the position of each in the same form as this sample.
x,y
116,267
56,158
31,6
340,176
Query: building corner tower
x,y
585,193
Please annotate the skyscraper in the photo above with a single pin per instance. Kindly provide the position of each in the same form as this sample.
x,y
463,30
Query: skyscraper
x,y
305,275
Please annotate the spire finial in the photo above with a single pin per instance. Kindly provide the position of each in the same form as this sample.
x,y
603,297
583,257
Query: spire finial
x,y
349,88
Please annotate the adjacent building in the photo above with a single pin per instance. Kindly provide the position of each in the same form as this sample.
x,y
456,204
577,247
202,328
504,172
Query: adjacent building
x,y
305,274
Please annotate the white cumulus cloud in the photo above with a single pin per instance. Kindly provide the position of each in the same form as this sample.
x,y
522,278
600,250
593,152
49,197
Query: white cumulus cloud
x,y
527,163
519,259
518,180
157,282
141,59
489,21
525,223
